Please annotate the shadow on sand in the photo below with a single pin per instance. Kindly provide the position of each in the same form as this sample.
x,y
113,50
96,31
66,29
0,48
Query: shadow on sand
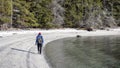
x,y
23,51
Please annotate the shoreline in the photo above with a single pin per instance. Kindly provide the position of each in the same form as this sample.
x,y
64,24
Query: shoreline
x,y
50,35
59,53
73,33
109,31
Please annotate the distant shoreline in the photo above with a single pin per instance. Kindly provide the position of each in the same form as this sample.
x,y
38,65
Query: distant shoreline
x,y
96,32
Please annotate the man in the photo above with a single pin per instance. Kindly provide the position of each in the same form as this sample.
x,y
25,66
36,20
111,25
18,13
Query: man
x,y
39,42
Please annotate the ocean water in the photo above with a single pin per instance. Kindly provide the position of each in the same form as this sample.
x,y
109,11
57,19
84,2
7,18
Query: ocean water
x,y
84,52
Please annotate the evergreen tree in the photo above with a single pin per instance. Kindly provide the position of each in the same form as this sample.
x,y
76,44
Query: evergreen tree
x,y
22,16
81,12
5,11
42,13
38,13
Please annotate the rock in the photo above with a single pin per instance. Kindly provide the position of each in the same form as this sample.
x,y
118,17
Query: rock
x,y
78,36
89,29
102,28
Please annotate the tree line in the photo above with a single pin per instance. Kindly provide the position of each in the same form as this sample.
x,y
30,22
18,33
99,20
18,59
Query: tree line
x,y
82,13
38,13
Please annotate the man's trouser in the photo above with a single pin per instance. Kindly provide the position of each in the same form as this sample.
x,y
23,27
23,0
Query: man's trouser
x,y
39,47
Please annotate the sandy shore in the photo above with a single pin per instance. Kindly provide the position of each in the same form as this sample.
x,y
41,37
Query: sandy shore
x,y
50,35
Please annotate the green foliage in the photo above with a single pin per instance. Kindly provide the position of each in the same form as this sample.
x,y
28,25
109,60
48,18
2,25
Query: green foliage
x,y
5,20
31,13
5,11
116,11
42,12
73,13
23,17
78,11
38,14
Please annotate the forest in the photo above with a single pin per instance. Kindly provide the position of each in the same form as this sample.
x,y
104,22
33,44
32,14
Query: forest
x,y
46,14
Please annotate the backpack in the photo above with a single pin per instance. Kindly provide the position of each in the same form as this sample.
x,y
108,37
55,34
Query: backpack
x,y
39,40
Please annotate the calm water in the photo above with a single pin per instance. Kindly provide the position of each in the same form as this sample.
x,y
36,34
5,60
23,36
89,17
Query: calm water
x,y
84,52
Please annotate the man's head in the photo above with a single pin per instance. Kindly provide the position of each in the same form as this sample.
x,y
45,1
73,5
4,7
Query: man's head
x,y
39,33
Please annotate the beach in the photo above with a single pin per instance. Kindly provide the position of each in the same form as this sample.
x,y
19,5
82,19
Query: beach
x,y
36,60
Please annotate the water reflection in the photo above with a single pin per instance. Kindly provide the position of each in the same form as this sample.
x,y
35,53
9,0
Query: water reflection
x,y
84,52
